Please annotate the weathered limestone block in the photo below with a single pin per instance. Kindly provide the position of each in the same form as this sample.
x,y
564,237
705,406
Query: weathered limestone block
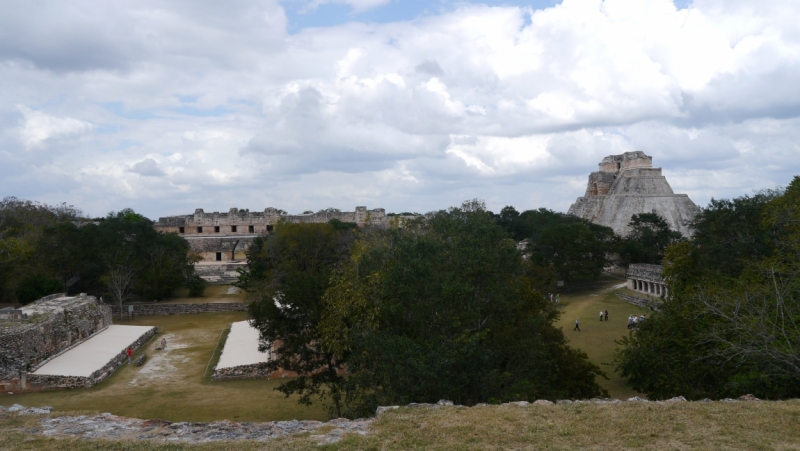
x,y
254,371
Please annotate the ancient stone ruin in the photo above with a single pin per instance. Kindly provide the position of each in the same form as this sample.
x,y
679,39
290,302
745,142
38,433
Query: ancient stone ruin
x,y
647,279
626,185
44,329
221,237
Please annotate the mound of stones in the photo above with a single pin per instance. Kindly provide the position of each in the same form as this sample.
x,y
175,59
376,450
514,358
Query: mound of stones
x,y
544,402
112,427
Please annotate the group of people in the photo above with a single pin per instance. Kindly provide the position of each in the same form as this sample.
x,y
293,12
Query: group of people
x,y
555,299
633,321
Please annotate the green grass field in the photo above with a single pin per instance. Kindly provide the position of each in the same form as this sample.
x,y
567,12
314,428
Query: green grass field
x,y
596,337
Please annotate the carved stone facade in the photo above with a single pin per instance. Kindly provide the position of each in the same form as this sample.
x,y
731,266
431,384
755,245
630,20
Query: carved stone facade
x,y
647,279
226,236
626,185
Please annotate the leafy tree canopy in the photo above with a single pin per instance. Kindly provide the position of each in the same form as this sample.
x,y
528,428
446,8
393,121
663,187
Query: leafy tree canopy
x,y
46,247
571,247
732,321
444,309
649,237
287,274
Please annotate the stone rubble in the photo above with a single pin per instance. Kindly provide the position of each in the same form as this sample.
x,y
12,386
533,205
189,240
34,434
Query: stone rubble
x,y
109,426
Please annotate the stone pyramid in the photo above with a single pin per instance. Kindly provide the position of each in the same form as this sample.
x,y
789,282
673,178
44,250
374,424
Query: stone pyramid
x,y
626,185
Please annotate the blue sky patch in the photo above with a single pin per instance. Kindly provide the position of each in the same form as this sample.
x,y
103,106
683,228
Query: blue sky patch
x,y
119,109
197,112
330,14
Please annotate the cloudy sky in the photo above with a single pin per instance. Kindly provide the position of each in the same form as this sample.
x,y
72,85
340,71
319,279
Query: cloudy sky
x,y
170,105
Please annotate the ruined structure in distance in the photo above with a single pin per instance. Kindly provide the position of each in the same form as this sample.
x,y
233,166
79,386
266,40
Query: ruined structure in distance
x,y
223,237
626,185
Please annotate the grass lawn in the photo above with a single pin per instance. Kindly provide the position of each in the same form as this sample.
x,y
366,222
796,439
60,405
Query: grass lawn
x,y
171,386
596,338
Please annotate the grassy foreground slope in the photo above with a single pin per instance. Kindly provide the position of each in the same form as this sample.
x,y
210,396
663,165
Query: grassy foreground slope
x,y
657,426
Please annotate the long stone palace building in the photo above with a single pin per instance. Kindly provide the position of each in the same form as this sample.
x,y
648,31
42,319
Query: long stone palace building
x,y
221,239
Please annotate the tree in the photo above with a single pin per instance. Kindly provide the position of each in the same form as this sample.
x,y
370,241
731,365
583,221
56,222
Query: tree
x,y
443,309
575,249
37,286
287,274
568,246
649,237
119,281
731,323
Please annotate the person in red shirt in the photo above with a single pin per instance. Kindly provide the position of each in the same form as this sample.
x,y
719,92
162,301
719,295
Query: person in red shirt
x,y
130,355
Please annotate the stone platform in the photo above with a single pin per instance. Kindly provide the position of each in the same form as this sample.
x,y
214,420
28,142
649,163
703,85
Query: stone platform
x,y
93,360
241,358
241,347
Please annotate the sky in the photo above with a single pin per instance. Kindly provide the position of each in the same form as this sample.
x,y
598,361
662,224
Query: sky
x,y
167,106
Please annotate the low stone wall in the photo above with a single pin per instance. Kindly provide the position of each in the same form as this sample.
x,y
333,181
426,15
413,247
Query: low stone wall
x,y
181,309
49,382
254,371
641,302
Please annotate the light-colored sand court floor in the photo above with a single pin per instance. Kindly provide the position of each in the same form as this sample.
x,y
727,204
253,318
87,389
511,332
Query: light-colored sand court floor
x,y
241,347
94,353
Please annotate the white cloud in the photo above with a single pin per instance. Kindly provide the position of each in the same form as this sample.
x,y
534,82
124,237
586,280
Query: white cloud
x,y
38,127
185,104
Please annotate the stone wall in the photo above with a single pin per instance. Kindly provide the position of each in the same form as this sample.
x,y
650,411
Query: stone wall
x,y
219,273
181,309
646,272
50,382
54,324
254,371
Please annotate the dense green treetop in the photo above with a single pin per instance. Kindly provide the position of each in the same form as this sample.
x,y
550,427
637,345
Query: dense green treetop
x,y
53,248
287,274
443,308
731,324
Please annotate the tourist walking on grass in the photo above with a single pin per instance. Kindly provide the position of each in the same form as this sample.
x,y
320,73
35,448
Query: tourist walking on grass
x,y
164,343
577,325
601,315
606,315
129,351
